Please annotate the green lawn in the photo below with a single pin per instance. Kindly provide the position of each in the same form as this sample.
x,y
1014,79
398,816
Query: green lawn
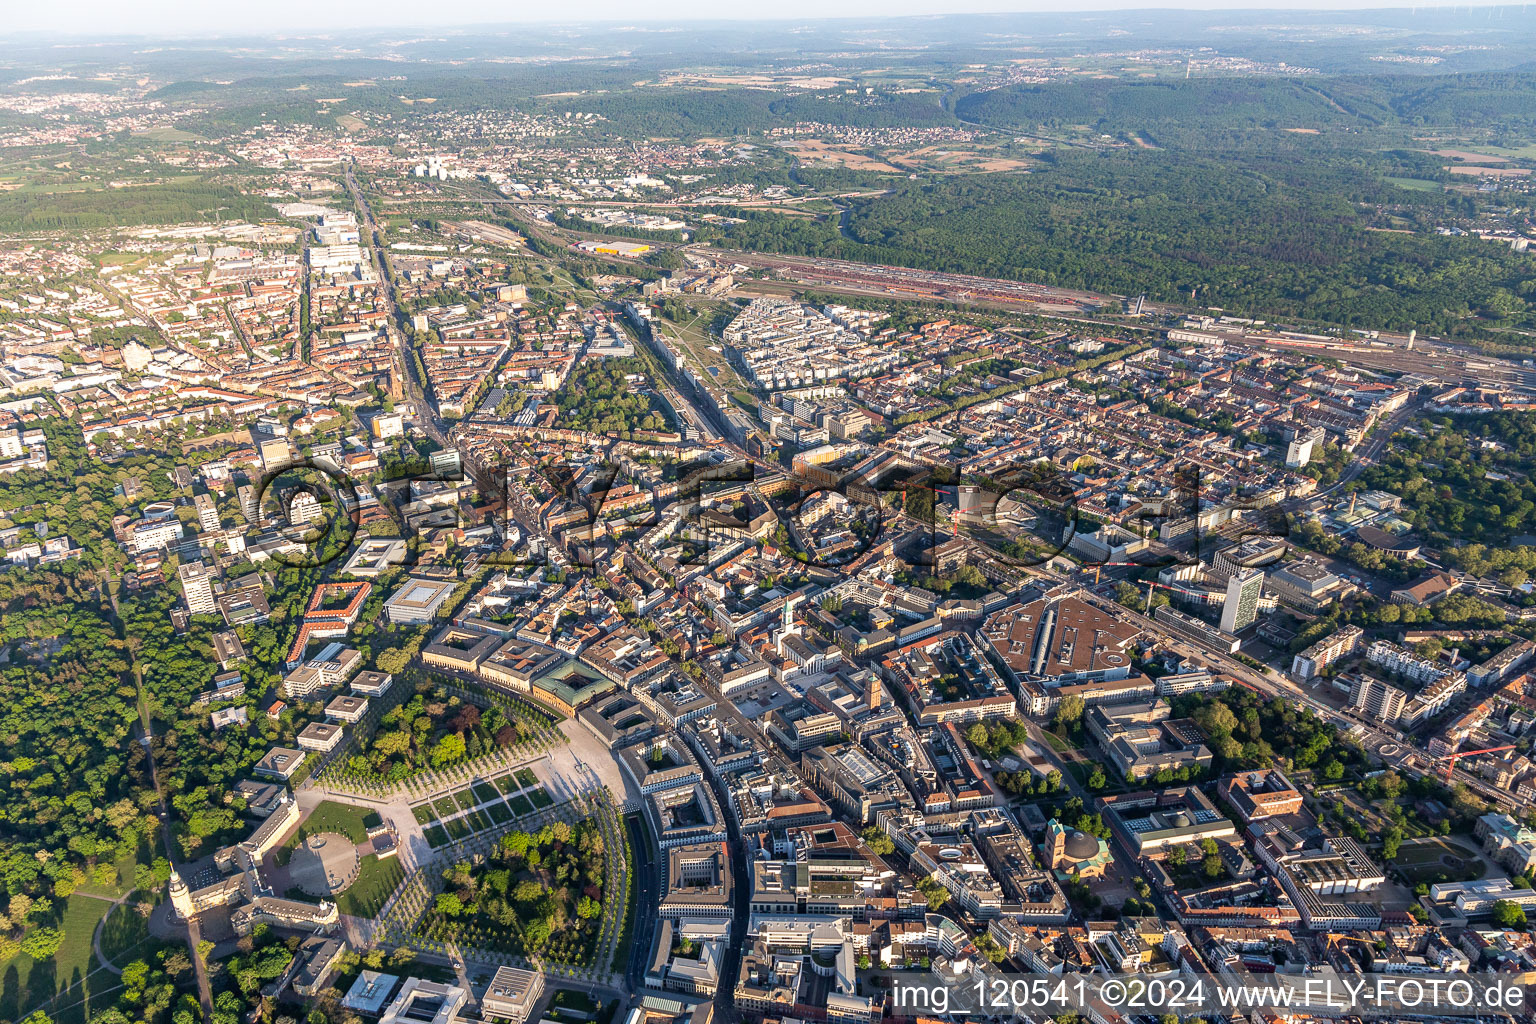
x,y
1438,860
572,1000
498,812
1521,152
436,836
1060,745
147,851
26,984
520,806
445,808
540,798
478,822
124,932
506,783
526,777
351,821
424,814
376,879
458,828
465,799
165,133
331,816
627,931
484,792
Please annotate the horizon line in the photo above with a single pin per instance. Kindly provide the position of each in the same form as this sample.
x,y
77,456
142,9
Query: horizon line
x,y
75,36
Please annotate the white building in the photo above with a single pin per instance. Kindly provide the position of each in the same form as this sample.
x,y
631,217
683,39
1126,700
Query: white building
x,y
1299,450
1241,606
197,588
154,534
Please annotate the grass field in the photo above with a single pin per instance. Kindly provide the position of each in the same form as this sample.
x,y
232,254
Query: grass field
x,y
465,799
1058,744
1417,184
331,816
423,814
165,133
505,783
27,984
484,792
526,777
1524,152
498,812
570,999
124,933
520,806
124,867
627,929
540,798
1437,859
376,879
436,836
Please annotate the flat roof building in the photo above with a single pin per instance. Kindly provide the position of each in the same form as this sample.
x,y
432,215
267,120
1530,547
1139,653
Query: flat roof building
x,y
1265,793
279,763
320,736
369,992
1149,821
417,600
347,708
512,994
425,1002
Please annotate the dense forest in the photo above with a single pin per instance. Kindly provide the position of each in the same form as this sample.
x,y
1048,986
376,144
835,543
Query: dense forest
x,y
693,112
125,207
1262,237
75,780
1220,112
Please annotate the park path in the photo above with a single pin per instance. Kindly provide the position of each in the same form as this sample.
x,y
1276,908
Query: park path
x,y
96,935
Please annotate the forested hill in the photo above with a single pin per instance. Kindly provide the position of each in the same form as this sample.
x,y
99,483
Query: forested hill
x,y
1200,112
1270,237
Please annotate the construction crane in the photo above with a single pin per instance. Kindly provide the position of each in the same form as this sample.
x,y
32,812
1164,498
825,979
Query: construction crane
x,y
1098,570
1154,585
1451,759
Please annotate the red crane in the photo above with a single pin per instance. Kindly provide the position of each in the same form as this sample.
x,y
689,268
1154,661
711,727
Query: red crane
x,y
1451,759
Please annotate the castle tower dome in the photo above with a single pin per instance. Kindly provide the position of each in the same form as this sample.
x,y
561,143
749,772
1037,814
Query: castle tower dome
x,y
181,897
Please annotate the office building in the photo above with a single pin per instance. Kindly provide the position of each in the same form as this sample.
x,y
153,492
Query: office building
x,y
1241,606
275,453
417,600
1306,584
1198,630
512,994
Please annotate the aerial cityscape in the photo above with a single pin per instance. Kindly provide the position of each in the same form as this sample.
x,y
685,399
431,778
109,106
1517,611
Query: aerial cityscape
x,y
863,520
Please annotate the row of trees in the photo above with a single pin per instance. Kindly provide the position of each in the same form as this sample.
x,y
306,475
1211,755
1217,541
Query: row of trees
x,y
539,889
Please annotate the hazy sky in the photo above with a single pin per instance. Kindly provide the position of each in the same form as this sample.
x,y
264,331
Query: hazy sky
x,y
200,17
